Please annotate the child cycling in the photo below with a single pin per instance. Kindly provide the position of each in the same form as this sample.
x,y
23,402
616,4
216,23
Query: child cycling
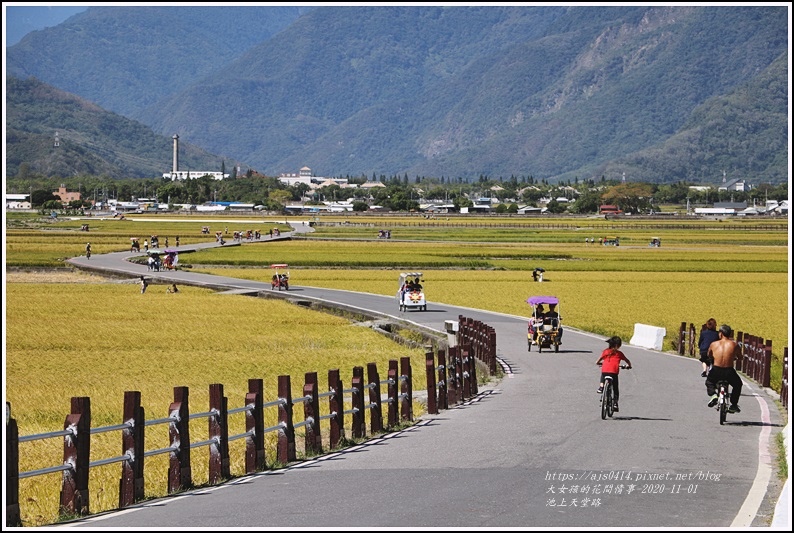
x,y
610,366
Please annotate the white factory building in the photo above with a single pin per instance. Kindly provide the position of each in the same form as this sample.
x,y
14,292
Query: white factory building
x,y
177,174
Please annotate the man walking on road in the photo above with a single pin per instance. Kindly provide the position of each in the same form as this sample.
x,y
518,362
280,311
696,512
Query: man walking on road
x,y
724,352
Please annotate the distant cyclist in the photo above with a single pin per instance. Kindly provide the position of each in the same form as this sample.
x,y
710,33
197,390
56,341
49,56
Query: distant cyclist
x,y
88,250
724,352
610,366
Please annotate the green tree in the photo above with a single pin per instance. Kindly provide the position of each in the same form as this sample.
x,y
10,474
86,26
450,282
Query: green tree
x,y
555,207
587,202
39,197
630,197
531,194
278,199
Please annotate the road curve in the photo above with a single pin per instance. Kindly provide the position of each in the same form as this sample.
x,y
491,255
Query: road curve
x,y
528,452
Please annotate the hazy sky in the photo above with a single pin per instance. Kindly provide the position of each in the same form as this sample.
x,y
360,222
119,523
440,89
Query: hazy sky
x,y
21,19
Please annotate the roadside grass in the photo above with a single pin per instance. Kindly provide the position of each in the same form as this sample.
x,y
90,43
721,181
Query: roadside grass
x,y
782,456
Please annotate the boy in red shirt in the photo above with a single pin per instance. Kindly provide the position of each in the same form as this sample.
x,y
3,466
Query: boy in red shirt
x,y
610,365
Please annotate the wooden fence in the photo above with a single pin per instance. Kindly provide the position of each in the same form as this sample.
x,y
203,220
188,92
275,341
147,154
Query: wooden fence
x,y
77,433
482,339
755,360
451,379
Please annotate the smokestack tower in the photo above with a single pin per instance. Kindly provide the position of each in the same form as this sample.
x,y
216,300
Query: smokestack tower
x,y
175,168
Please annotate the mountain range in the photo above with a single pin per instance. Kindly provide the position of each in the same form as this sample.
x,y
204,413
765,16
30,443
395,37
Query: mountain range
x,y
658,93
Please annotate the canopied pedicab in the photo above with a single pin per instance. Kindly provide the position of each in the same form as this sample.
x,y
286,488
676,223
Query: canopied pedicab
x,y
545,324
280,279
171,259
410,293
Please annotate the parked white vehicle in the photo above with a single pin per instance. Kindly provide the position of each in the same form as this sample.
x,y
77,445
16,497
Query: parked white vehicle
x,y
410,294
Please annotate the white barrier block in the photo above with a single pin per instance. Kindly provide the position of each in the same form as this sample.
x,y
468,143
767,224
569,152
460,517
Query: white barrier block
x,y
648,336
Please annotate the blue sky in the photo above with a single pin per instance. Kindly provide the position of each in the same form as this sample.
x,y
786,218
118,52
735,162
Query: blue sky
x,y
21,19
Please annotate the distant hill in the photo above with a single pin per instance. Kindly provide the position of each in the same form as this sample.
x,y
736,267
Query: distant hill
x,y
21,20
743,131
125,58
91,141
664,94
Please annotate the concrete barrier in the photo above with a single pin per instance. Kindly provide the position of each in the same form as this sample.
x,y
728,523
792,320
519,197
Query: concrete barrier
x,y
648,336
451,327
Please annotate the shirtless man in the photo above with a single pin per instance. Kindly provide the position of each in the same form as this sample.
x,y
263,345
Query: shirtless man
x,y
724,352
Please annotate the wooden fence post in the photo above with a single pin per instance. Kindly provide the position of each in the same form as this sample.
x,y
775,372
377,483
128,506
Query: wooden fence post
x,y
311,409
784,381
442,380
255,424
336,404
131,485
492,350
179,473
77,452
407,411
286,435
465,350
359,423
459,374
765,378
740,363
691,338
681,338
13,518
469,355
219,467
430,371
393,388
376,410
453,385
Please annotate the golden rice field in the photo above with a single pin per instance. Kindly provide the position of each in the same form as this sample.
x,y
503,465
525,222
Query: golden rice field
x,y
82,335
607,303
510,256
96,338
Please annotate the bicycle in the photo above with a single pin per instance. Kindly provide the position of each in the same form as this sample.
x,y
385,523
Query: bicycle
x,y
608,396
722,400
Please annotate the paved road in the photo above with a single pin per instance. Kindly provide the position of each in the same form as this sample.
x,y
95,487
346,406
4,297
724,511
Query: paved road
x,y
530,451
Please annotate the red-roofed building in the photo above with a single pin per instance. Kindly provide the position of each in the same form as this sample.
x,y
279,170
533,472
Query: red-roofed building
x,y
609,210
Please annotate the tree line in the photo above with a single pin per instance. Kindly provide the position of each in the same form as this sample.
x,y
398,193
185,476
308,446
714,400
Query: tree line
x,y
396,193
